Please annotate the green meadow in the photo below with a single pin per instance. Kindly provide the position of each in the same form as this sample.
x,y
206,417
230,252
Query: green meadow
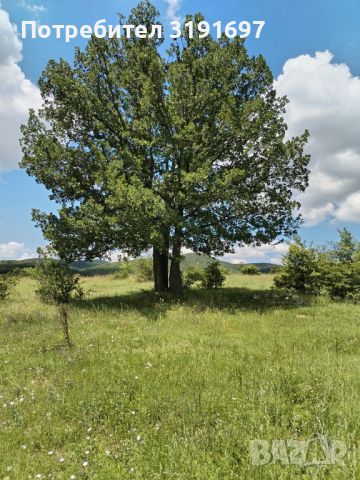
x,y
160,389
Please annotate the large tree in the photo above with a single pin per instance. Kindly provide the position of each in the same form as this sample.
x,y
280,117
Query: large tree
x,y
145,150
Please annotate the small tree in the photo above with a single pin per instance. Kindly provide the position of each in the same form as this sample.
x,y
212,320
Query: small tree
x,y
123,271
193,274
145,269
213,276
341,271
7,282
58,284
342,280
300,271
250,270
346,249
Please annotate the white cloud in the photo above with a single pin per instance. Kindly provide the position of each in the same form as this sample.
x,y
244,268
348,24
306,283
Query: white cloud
x,y
173,7
325,98
350,208
15,251
17,94
263,253
37,10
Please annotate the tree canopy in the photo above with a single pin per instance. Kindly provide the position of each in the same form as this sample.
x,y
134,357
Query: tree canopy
x,y
142,149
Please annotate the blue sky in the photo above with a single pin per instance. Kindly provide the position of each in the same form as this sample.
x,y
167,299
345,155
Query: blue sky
x,y
324,91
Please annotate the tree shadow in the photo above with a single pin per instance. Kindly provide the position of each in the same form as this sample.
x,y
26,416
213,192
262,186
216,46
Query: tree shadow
x,y
229,299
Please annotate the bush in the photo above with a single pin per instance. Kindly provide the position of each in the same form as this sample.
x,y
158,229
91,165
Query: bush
x,y
275,269
7,283
342,281
341,271
29,272
250,270
123,271
193,275
145,269
301,271
213,276
58,284
346,250
335,271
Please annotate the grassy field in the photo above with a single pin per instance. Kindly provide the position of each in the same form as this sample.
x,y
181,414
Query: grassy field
x,y
158,389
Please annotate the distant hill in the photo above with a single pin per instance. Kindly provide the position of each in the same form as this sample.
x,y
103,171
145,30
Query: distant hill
x,y
96,267
82,267
10,265
264,267
203,260
104,267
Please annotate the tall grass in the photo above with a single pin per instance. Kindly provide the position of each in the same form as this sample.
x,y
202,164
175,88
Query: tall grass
x,y
162,389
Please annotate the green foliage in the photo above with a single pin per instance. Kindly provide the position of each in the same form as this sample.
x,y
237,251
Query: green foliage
x,y
213,276
145,150
274,269
29,272
7,266
7,283
57,283
341,268
342,280
250,270
335,271
300,272
346,249
123,271
145,269
193,275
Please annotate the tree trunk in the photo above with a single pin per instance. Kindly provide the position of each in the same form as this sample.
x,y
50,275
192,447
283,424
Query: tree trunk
x,y
64,317
160,264
175,272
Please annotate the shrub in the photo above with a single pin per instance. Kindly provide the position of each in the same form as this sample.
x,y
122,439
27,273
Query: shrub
x,y
342,280
213,276
7,283
341,271
336,270
58,284
123,271
250,270
346,249
193,275
29,272
275,269
301,271
145,269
